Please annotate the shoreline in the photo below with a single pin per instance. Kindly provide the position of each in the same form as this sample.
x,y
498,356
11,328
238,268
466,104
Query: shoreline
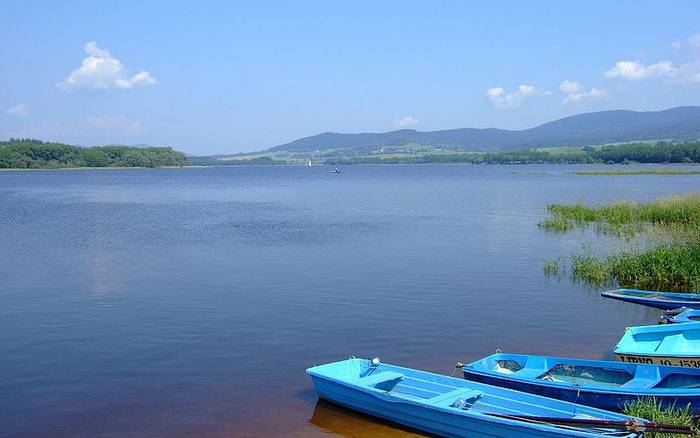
x,y
627,169
70,169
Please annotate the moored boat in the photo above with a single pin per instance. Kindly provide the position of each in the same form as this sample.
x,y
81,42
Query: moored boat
x,y
452,407
673,344
660,300
598,383
682,316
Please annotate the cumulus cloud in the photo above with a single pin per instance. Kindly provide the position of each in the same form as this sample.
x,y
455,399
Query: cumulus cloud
x,y
578,97
575,92
500,99
406,122
121,123
570,87
101,71
634,70
18,110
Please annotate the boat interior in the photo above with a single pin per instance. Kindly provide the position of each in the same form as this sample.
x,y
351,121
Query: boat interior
x,y
446,392
676,340
624,376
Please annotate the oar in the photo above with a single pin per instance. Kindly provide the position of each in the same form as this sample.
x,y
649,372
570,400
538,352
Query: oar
x,y
628,425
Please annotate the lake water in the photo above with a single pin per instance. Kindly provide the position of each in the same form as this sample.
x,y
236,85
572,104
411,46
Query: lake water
x,y
182,302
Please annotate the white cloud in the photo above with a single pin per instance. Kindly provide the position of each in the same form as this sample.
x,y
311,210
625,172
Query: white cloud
x,y
575,92
578,97
18,110
633,70
500,99
120,123
570,87
101,71
406,122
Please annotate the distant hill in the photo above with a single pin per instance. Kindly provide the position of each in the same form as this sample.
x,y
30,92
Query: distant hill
x,y
682,123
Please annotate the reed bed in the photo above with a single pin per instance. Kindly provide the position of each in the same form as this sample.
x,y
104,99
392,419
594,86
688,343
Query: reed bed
x,y
638,172
667,252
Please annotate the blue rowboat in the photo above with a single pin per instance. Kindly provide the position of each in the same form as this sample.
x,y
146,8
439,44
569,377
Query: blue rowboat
x,y
681,316
452,407
660,300
598,383
673,344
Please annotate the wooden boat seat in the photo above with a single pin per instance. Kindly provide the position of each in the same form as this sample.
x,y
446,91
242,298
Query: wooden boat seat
x,y
450,397
381,377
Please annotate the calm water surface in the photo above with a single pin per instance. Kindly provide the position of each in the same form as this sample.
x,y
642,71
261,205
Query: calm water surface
x,y
189,302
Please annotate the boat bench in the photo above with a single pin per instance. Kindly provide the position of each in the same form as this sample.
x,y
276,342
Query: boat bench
x,y
452,396
381,377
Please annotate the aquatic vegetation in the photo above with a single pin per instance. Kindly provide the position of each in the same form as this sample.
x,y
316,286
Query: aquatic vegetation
x,y
667,251
683,209
557,224
554,267
637,172
666,268
650,409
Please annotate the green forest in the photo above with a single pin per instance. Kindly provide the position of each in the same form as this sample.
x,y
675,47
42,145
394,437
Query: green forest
x,y
36,154
659,152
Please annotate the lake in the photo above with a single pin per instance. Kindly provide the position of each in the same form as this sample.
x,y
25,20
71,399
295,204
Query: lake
x,y
182,302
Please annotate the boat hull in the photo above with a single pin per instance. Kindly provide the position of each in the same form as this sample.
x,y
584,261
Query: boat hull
x,y
444,419
687,315
685,362
658,300
596,399
602,384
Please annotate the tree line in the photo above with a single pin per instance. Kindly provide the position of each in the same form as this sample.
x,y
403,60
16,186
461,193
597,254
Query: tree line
x,y
36,154
659,152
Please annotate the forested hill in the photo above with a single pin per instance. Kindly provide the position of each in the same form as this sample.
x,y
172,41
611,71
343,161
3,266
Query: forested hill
x,y
35,154
679,124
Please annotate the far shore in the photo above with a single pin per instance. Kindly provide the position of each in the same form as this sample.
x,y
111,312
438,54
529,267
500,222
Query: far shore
x,y
19,169
651,168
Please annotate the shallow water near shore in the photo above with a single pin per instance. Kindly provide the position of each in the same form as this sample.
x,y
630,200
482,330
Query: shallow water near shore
x,y
180,302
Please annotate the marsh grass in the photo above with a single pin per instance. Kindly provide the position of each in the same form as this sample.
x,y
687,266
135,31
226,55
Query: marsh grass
x,y
651,410
557,224
666,258
554,267
637,172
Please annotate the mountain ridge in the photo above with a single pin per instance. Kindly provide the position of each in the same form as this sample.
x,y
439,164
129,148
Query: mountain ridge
x,y
610,126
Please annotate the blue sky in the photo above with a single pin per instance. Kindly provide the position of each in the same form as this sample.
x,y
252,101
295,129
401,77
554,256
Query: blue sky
x,y
217,77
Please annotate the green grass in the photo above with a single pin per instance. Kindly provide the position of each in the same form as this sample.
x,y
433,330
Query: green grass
x,y
637,172
674,267
651,410
683,210
554,267
667,259
557,224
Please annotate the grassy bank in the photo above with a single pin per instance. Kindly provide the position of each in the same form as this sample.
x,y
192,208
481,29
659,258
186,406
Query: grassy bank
x,y
666,250
651,410
637,172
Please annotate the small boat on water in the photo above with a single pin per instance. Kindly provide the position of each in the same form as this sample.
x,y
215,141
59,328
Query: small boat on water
x,y
452,407
660,300
673,344
680,316
599,383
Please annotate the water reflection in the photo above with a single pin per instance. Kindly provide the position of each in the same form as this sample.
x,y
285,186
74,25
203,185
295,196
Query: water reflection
x,y
344,422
